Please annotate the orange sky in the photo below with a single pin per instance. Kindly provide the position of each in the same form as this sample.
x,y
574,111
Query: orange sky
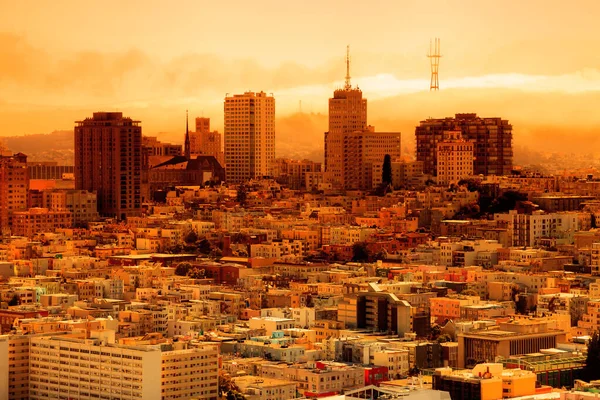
x,y
61,60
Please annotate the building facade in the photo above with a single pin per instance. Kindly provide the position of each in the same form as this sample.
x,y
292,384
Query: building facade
x,y
492,138
204,142
108,157
249,136
454,158
14,185
94,368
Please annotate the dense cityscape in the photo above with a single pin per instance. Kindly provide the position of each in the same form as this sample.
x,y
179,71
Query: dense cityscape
x,y
211,267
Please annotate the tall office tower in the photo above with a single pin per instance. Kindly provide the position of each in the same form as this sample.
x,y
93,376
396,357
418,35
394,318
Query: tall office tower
x,y
353,149
108,149
454,158
14,185
492,138
347,114
203,142
249,136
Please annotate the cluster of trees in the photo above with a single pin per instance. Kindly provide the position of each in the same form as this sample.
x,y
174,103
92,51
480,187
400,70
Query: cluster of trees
x,y
186,269
487,204
591,371
361,253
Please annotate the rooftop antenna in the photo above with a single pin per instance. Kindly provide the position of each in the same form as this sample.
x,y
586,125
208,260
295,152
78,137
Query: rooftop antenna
x,y
434,58
348,86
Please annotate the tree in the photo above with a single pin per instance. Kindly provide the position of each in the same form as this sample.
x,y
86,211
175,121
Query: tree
x,y
386,172
190,237
197,273
182,268
360,252
469,292
242,194
591,371
205,247
506,201
14,301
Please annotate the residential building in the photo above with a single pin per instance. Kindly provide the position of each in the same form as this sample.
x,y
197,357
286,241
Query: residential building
x,y
39,220
249,136
148,368
108,161
454,158
204,142
492,138
14,185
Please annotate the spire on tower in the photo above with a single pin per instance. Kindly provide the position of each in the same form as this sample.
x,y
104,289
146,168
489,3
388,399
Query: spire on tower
x,y
348,86
187,149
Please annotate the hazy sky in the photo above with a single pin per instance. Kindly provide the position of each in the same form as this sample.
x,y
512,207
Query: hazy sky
x,y
60,60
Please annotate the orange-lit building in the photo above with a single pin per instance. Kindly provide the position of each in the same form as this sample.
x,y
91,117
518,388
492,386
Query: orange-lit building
x,y
203,142
249,136
14,184
39,220
492,138
108,160
454,158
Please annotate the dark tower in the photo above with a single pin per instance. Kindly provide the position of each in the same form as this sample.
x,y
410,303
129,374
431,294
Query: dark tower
x,y
187,149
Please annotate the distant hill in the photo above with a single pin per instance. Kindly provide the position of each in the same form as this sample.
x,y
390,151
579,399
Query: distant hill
x,y
56,146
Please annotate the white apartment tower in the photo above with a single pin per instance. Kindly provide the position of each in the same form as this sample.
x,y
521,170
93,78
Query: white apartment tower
x,y
249,136
454,158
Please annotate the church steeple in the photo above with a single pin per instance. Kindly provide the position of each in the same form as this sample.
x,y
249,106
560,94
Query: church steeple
x,y
187,149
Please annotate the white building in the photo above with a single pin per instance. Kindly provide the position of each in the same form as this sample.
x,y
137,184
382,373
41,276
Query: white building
x,y
62,367
249,136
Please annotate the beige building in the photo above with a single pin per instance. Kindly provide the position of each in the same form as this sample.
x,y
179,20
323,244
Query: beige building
x,y
203,142
255,388
396,361
249,136
14,185
454,158
38,220
347,114
139,368
407,174
521,336
354,152
82,204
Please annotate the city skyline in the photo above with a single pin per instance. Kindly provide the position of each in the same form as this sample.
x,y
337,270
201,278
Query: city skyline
x,y
62,71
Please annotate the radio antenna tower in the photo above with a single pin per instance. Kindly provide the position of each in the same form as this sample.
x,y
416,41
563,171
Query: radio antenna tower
x,y
348,86
434,58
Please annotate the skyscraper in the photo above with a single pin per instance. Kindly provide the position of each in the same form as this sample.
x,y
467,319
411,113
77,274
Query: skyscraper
x,y
249,136
108,151
14,185
347,114
354,150
492,138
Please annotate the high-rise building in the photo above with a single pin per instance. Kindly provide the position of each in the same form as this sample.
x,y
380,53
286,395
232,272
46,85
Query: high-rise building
x,y
353,149
14,184
454,158
108,157
203,142
492,139
347,114
249,136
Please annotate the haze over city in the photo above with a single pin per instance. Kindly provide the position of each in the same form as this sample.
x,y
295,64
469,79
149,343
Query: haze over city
x,y
530,62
